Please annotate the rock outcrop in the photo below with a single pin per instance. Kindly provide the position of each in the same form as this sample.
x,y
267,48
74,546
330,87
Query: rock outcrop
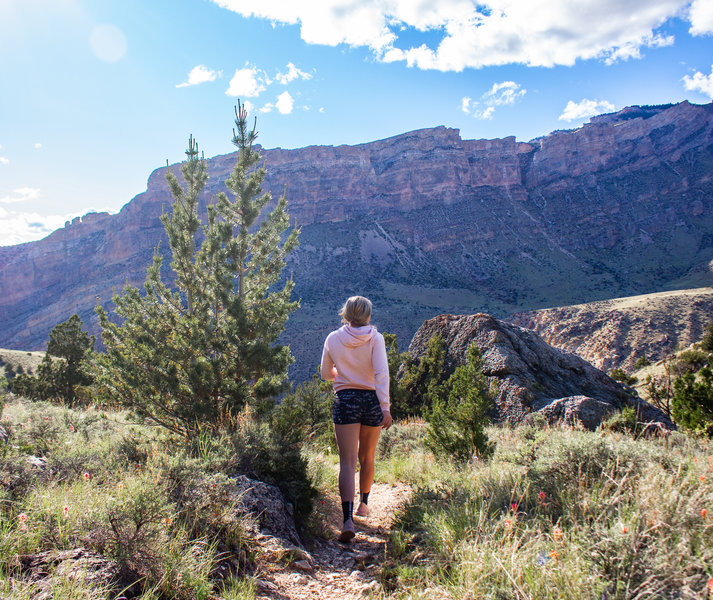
x,y
425,223
616,333
533,376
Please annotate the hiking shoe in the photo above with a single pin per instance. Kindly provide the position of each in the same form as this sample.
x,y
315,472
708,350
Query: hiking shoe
x,y
362,510
347,531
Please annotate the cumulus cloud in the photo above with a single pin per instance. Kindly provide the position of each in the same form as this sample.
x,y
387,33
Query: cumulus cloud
x,y
4,160
700,83
21,195
18,227
38,145
586,108
248,82
701,17
478,33
285,103
292,73
505,92
199,74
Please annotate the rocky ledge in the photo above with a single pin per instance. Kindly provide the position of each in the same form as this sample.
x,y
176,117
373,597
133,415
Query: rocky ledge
x,y
533,376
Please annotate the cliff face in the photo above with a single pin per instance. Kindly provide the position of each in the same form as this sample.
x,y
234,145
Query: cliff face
x,y
615,333
426,223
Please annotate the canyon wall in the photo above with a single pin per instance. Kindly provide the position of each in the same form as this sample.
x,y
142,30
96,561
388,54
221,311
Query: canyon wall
x,y
425,223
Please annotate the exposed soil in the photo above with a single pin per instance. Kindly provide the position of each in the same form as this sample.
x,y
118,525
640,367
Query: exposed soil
x,y
337,570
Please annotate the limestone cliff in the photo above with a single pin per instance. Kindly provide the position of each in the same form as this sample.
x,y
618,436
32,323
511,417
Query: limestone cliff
x,y
426,223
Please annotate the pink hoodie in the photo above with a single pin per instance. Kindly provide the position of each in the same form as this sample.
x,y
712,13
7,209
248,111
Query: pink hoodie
x,y
355,358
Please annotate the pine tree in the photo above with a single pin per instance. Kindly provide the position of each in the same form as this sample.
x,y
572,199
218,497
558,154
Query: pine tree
x,y
192,357
457,417
422,381
64,366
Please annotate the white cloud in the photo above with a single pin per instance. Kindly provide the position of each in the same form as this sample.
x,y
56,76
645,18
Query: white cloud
x,y
248,106
701,17
292,73
4,160
21,195
285,103
267,108
38,145
586,108
505,92
248,82
700,83
17,227
484,114
199,74
478,33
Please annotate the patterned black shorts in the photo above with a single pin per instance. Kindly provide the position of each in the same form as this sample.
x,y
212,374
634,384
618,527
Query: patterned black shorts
x,y
356,406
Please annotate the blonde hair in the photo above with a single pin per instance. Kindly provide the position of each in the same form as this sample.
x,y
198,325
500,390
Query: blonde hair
x,y
356,311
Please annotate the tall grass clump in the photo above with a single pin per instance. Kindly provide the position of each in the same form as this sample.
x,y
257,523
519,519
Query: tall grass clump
x,y
560,513
167,516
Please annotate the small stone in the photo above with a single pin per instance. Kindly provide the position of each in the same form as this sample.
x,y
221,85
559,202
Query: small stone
x,y
299,553
303,565
264,585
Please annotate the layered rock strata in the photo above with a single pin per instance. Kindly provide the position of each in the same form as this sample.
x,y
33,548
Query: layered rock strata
x,y
617,333
425,223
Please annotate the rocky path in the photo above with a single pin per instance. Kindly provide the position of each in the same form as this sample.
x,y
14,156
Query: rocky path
x,y
334,570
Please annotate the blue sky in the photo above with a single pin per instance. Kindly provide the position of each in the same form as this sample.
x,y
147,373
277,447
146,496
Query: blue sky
x,y
95,94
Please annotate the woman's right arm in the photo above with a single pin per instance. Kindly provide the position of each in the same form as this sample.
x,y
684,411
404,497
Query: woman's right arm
x,y
327,369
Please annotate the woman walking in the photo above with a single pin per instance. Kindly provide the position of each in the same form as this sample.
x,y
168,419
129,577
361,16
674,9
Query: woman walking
x,y
354,357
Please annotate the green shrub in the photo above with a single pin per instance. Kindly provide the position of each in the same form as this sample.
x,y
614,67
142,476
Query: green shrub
x,y
692,403
263,453
422,381
707,341
457,418
618,374
306,413
642,362
624,421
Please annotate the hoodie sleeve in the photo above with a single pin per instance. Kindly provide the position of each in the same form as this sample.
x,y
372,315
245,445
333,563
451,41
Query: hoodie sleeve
x,y
327,370
381,371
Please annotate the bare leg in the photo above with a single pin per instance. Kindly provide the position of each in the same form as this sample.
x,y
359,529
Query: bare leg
x,y
368,438
348,444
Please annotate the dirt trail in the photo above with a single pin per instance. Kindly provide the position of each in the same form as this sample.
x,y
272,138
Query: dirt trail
x,y
341,571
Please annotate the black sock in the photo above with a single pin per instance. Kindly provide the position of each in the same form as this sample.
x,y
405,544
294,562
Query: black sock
x,y
347,510
365,497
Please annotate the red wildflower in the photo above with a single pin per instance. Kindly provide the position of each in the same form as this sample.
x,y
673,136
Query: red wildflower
x,y
513,507
704,512
65,510
86,476
22,517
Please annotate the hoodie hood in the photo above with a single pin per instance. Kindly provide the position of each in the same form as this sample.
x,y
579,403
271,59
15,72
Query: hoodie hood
x,y
353,337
